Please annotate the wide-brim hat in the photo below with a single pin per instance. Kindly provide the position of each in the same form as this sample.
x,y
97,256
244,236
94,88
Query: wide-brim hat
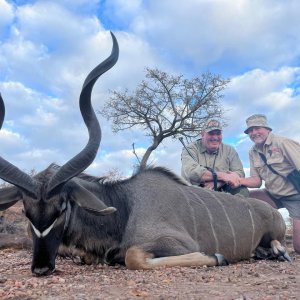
x,y
257,120
212,125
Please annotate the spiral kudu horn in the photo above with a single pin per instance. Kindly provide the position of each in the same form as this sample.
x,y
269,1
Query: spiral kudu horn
x,y
84,158
2,111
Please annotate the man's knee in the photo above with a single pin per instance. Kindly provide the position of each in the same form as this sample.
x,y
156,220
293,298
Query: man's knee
x,y
262,194
242,191
296,235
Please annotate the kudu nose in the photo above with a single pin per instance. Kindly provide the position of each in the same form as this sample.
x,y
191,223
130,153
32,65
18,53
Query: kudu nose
x,y
42,271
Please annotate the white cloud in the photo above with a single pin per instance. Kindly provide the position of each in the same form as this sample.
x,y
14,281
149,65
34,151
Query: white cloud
x,y
233,34
50,46
40,118
27,160
167,154
123,160
77,6
279,100
259,91
21,101
6,14
11,140
45,23
121,11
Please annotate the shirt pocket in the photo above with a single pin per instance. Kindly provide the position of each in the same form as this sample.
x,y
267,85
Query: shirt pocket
x,y
259,166
258,163
275,159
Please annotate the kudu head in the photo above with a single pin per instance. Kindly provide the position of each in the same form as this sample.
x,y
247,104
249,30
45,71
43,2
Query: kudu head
x,y
47,196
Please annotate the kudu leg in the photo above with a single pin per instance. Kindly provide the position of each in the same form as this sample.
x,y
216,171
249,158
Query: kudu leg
x,y
136,259
280,251
276,250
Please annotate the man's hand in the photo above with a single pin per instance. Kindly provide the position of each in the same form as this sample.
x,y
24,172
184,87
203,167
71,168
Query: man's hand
x,y
210,185
232,179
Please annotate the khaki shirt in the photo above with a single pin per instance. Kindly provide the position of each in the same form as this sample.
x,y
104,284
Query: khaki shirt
x,y
283,155
226,159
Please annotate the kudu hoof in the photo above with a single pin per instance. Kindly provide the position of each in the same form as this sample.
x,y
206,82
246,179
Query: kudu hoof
x,y
221,261
280,251
284,256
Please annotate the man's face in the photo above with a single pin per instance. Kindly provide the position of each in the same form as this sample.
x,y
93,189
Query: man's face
x,y
212,140
258,135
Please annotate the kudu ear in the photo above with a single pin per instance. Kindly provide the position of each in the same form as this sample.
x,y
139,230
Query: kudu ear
x,y
9,196
87,200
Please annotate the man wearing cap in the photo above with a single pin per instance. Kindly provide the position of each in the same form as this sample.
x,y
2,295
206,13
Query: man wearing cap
x,y
272,159
211,164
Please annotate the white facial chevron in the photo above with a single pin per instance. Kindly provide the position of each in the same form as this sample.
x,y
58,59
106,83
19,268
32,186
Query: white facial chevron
x,y
45,232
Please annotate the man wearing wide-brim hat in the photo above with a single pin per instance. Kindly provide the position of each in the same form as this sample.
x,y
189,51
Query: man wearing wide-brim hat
x,y
275,160
210,163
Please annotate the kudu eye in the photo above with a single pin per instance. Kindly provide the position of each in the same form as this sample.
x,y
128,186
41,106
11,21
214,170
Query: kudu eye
x,y
63,207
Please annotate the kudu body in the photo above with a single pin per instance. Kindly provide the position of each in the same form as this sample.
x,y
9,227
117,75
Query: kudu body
x,y
150,220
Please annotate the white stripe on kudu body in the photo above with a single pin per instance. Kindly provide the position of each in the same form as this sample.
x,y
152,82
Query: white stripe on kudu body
x,y
211,222
193,216
253,231
230,224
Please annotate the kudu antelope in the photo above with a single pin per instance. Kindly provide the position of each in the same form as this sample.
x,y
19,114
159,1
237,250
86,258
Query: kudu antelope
x,y
150,220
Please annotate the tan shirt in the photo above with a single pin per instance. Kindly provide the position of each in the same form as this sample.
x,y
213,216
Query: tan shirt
x,y
283,155
226,159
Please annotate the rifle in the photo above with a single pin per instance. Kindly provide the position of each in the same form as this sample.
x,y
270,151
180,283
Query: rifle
x,y
213,172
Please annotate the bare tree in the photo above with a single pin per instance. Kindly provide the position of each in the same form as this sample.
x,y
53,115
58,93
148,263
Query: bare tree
x,y
166,106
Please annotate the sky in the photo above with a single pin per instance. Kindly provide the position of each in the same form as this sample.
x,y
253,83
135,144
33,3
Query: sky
x,y
47,48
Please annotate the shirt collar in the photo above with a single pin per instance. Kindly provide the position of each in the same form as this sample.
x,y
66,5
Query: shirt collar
x,y
269,139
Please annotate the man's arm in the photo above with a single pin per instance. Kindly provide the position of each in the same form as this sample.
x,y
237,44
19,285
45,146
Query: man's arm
x,y
226,177
254,181
222,178
251,182
194,172
236,170
291,150
191,168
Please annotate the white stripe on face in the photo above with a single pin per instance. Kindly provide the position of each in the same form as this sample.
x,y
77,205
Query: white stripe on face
x,y
45,232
